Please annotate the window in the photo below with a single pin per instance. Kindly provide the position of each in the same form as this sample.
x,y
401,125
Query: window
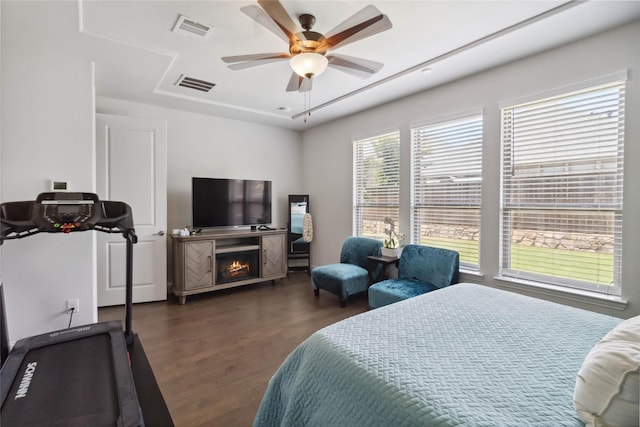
x,y
376,183
562,159
446,186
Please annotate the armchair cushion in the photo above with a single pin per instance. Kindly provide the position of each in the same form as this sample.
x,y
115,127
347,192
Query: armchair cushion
x,y
394,290
351,275
355,250
421,269
341,279
437,266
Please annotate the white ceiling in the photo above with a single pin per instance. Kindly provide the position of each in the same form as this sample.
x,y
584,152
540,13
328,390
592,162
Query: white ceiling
x,y
139,58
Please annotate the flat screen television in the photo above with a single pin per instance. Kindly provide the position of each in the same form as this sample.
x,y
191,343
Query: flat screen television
x,y
219,202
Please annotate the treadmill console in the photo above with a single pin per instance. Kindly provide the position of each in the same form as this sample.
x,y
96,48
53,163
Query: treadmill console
x,y
58,212
66,212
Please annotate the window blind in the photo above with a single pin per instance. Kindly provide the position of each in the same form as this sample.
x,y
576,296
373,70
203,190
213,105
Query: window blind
x,y
562,180
446,186
376,183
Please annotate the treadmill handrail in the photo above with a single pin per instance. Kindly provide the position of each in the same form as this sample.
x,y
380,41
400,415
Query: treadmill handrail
x,y
25,227
108,217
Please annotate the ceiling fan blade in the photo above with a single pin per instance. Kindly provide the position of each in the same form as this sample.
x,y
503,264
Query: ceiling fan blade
x,y
240,62
365,23
299,84
358,67
249,64
305,85
260,16
255,57
294,82
360,16
280,16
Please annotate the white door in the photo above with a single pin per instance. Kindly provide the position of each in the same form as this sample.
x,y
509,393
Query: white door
x,y
131,167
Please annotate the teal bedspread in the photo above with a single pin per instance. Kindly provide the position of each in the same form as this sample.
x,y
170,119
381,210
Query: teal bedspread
x,y
465,355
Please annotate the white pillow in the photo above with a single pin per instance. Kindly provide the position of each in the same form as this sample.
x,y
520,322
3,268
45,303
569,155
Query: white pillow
x,y
607,391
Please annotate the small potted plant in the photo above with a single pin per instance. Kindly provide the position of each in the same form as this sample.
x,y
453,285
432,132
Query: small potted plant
x,y
390,246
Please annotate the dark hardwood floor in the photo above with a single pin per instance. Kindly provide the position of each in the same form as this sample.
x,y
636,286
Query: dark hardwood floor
x,y
214,355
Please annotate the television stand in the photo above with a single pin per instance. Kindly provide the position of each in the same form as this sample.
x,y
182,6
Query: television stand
x,y
216,260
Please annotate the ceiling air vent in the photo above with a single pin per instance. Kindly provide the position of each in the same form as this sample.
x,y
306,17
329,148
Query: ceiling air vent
x,y
197,84
190,28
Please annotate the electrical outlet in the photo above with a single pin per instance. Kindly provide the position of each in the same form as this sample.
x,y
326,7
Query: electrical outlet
x,y
73,304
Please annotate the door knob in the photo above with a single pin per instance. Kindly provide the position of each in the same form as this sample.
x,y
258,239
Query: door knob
x,y
159,233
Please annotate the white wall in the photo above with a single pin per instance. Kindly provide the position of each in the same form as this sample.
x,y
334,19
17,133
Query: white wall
x,y
47,133
327,149
206,146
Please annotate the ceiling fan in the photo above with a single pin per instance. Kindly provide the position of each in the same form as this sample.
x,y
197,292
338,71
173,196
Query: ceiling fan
x,y
308,50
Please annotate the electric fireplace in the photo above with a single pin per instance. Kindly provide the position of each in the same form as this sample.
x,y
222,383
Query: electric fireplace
x,y
236,266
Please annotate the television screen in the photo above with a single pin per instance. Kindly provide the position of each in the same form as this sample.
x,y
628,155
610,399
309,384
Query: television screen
x,y
218,202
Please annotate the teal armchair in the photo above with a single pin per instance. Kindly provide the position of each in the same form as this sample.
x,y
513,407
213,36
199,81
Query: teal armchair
x,y
421,269
353,274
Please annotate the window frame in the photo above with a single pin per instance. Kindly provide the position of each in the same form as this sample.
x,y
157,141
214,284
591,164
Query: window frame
x,y
388,208
575,181
452,126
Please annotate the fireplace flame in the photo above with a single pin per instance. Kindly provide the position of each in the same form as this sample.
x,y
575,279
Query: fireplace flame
x,y
236,268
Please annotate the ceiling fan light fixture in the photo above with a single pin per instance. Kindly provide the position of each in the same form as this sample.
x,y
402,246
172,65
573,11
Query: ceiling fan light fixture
x,y
309,64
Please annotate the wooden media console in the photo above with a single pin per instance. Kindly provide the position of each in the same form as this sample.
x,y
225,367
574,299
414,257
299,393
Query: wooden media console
x,y
225,259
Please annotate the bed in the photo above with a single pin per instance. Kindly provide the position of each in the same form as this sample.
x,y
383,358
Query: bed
x,y
465,355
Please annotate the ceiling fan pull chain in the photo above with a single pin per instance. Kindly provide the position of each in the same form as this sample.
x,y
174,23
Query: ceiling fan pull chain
x,y
307,104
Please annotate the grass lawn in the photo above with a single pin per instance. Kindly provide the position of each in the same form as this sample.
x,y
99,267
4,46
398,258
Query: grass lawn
x,y
552,262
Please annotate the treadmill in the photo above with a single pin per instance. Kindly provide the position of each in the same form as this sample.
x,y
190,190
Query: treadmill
x,y
90,375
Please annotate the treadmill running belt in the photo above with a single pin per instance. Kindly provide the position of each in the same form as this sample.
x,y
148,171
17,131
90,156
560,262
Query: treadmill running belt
x,y
70,376
71,383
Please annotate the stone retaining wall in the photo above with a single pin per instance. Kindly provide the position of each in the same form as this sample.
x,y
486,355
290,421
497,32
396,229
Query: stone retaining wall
x,y
568,241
